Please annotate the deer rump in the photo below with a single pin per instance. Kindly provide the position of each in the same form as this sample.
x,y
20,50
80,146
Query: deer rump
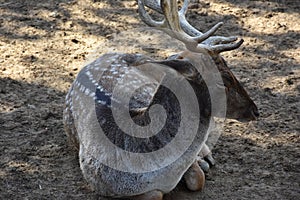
x,y
96,123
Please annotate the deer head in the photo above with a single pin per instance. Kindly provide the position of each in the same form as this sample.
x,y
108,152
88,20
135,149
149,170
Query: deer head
x,y
239,104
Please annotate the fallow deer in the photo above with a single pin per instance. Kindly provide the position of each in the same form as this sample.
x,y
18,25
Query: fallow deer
x,y
91,102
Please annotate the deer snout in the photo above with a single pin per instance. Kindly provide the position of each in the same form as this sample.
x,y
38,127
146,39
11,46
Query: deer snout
x,y
255,112
250,114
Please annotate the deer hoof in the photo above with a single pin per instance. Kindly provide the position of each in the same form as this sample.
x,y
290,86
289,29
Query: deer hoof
x,y
210,160
204,165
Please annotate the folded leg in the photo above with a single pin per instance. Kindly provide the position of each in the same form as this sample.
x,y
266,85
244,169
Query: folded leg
x,y
194,177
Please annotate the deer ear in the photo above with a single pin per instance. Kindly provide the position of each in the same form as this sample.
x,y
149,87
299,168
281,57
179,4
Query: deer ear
x,y
184,67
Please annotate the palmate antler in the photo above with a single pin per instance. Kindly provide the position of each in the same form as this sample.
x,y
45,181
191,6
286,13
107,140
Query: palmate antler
x,y
176,25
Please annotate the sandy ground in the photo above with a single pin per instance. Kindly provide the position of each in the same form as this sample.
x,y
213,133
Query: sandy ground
x,y
43,45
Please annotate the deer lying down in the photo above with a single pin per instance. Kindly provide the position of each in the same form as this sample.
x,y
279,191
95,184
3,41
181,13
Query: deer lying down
x,y
89,105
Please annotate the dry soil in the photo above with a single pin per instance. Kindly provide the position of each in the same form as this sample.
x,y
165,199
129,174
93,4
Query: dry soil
x,y
43,45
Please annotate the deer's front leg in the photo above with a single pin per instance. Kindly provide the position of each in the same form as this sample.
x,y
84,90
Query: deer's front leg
x,y
205,159
194,177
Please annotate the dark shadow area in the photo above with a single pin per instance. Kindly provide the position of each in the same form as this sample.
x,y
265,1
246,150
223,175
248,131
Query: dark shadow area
x,y
35,159
283,41
283,6
22,15
110,2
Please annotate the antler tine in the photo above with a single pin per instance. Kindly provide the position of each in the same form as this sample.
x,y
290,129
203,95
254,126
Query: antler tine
x,y
146,17
220,43
154,5
189,29
171,21
185,7
170,10
213,44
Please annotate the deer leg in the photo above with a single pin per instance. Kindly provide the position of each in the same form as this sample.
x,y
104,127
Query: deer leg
x,y
205,159
203,164
194,177
211,161
152,195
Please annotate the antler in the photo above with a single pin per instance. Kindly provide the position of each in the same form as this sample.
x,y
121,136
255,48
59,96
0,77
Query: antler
x,y
176,25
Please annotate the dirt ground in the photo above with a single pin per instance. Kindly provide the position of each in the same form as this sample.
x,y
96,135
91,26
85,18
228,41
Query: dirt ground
x,y
43,45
